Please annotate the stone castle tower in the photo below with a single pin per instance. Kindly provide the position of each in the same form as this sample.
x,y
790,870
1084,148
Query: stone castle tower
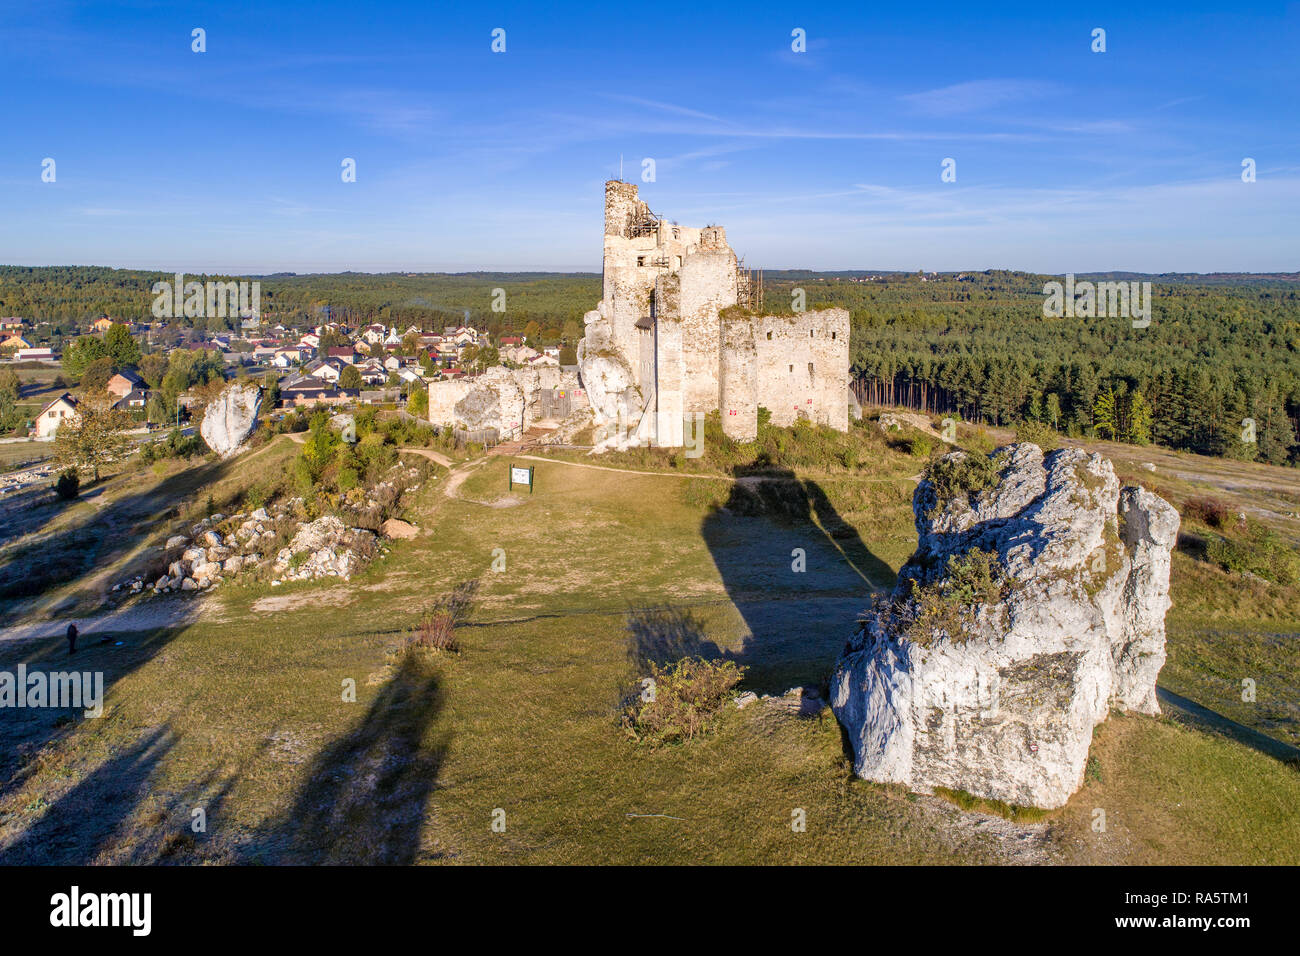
x,y
667,341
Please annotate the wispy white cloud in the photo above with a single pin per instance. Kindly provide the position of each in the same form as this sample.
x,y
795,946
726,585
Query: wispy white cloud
x,y
977,96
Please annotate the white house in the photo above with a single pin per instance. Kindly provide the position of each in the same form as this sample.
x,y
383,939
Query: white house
x,y
327,370
55,414
287,358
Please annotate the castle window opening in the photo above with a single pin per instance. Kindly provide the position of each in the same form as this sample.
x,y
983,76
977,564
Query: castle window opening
x,y
810,369
769,336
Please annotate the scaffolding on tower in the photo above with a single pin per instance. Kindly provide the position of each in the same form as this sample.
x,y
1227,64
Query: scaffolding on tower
x,y
749,287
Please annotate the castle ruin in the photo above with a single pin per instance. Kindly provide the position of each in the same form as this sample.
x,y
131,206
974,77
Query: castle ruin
x,y
678,331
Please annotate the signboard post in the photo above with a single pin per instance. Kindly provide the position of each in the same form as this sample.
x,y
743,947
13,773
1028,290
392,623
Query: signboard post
x,y
521,476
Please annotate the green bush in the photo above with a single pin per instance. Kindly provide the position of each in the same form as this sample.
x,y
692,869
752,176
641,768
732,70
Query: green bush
x,y
948,604
175,445
920,446
68,484
1256,549
679,701
960,475
1037,433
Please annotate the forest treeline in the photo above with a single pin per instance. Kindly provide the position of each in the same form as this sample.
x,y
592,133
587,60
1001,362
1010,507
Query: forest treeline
x,y
1217,370
72,296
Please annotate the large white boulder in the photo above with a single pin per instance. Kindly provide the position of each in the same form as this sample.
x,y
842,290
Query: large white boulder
x,y
231,418
998,694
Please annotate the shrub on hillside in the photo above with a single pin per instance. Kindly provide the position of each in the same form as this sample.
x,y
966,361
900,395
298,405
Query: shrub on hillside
x,y
436,628
1256,549
679,701
1037,433
68,484
1208,511
960,475
175,445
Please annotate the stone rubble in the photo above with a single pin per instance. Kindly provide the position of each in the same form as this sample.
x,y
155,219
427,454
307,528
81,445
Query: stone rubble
x,y
221,547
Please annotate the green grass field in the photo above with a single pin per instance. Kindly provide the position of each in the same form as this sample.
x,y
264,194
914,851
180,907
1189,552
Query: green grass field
x,y
237,708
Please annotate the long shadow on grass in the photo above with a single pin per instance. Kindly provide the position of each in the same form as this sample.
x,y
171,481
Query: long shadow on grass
x,y
32,569
366,795
113,643
797,572
92,815
26,732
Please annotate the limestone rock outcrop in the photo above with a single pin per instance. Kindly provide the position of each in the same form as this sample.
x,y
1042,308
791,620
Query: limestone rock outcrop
x,y
1034,603
616,402
505,399
230,419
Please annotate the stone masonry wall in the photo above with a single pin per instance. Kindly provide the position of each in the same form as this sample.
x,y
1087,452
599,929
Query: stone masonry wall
x,y
803,366
738,379
677,280
708,285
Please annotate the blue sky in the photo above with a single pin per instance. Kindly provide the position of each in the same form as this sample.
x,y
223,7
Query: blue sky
x,y
1066,160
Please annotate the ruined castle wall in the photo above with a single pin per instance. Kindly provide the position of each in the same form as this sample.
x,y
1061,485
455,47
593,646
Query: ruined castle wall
x,y
708,285
738,379
803,366
443,396
669,363
627,287
658,340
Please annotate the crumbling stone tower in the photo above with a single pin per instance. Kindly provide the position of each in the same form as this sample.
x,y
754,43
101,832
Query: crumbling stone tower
x,y
668,340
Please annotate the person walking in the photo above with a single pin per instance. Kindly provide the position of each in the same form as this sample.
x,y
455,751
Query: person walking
x,y
72,638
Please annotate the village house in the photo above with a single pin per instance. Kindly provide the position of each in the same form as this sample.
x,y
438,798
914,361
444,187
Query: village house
x,y
288,358
137,398
13,343
55,414
306,390
518,354
327,370
101,324
124,382
372,372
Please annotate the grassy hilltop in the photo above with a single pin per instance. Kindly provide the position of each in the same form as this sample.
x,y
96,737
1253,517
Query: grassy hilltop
x,y
234,705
